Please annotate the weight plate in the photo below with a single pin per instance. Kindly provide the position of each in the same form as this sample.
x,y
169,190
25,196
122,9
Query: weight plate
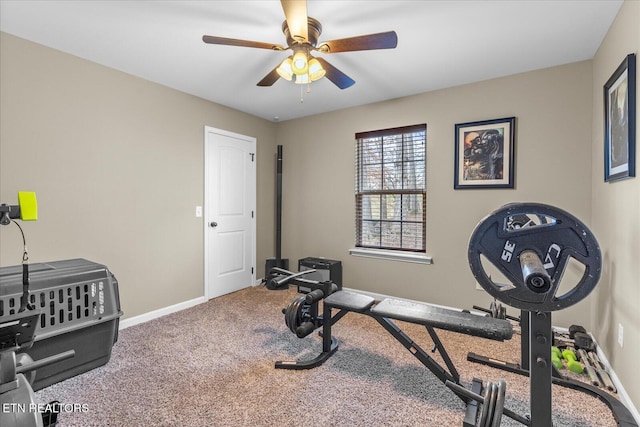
x,y
498,409
294,313
484,408
492,402
555,236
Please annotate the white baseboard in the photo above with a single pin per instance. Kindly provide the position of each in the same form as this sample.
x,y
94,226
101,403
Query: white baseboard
x,y
166,310
159,313
622,393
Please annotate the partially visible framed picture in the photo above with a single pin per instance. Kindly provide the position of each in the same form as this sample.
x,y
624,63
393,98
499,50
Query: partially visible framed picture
x,y
620,122
485,154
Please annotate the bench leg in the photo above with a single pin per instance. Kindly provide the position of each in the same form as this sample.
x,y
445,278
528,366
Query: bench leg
x,y
417,351
310,364
329,344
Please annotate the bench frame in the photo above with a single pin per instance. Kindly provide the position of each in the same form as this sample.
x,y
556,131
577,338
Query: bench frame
x,y
367,306
443,373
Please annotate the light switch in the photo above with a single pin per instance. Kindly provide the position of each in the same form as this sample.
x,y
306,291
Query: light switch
x,y
199,211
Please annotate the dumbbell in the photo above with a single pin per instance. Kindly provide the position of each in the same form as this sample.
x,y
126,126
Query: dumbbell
x,y
572,361
593,376
600,369
556,356
595,372
576,328
583,340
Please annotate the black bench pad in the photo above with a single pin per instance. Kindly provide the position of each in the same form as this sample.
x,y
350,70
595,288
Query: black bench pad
x,y
350,301
443,318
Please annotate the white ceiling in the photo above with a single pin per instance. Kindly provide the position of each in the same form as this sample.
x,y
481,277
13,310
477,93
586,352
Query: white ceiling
x,y
440,44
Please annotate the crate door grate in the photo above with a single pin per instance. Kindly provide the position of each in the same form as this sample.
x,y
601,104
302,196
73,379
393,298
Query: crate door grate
x,y
69,304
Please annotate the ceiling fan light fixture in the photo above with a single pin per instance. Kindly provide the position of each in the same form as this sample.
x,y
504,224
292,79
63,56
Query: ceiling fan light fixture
x,y
302,33
299,63
285,70
316,72
303,79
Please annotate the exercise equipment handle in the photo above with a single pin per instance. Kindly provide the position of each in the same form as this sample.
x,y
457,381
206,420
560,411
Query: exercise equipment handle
x,y
281,281
305,329
314,296
44,362
280,271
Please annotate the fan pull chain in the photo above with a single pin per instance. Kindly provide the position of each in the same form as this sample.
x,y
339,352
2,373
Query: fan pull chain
x,y
302,94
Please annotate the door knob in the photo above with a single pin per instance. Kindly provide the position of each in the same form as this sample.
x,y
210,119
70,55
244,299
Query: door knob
x,y
213,224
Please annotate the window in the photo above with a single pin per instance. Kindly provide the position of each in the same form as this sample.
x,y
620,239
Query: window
x,y
391,194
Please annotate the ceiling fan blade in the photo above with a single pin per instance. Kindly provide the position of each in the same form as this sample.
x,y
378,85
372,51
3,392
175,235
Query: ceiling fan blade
x,y
336,76
243,43
270,78
295,12
387,40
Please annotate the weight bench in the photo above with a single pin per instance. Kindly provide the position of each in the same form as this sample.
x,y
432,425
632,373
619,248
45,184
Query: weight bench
x,y
430,316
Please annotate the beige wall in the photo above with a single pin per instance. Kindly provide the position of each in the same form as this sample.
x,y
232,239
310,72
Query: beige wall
x,y
553,111
117,165
616,214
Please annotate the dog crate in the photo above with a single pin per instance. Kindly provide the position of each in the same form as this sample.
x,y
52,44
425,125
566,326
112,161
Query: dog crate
x,y
79,309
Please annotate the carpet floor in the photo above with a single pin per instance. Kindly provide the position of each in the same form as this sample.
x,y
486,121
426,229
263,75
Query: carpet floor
x,y
213,365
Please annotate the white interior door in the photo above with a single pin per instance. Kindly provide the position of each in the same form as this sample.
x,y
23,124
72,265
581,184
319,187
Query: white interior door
x,y
230,199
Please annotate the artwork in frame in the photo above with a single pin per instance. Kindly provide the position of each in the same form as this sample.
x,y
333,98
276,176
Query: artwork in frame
x,y
484,154
620,122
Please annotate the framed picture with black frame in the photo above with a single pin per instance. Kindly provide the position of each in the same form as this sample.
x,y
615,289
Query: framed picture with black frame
x,y
620,122
484,154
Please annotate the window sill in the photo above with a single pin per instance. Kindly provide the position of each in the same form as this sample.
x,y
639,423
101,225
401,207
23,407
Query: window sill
x,y
418,258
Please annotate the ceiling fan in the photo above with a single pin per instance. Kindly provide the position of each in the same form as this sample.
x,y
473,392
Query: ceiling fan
x,y
302,32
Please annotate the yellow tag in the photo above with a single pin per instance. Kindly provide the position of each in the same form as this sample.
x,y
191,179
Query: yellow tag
x,y
28,205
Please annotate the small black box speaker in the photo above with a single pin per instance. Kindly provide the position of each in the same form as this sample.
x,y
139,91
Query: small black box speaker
x,y
326,269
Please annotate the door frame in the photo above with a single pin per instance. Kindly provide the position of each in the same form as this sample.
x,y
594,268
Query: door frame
x,y
208,152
